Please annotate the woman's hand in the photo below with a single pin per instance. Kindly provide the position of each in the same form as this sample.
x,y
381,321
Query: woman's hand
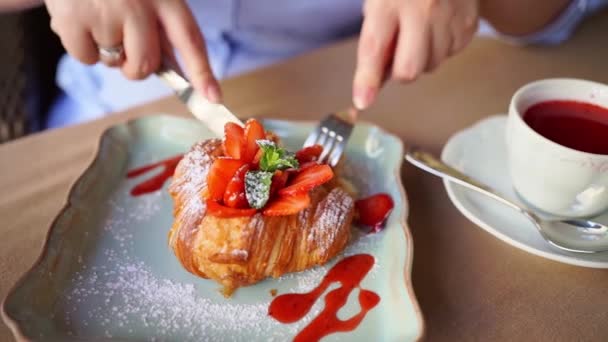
x,y
142,28
403,38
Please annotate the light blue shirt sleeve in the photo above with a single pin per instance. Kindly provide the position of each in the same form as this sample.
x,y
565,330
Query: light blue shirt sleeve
x,y
242,35
563,26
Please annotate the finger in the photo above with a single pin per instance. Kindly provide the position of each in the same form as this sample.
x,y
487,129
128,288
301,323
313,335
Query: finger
x,y
440,45
464,26
141,43
183,33
168,57
412,51
376,45
78,42
107,33
462,34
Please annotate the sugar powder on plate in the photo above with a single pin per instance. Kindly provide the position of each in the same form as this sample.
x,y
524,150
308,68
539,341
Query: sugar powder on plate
x,y
121,296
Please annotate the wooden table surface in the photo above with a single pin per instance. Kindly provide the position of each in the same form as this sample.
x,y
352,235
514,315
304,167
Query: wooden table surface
x,y
470,285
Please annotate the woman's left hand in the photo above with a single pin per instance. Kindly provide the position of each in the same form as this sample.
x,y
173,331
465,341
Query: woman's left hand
x,y
401,39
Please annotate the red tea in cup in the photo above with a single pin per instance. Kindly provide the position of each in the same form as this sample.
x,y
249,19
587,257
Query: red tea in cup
x,y
578,125
557,145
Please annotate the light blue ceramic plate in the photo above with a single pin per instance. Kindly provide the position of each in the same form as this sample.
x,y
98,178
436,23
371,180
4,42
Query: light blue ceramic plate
x,y
106,271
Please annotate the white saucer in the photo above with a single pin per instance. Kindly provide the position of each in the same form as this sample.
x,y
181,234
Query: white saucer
x,y
480,152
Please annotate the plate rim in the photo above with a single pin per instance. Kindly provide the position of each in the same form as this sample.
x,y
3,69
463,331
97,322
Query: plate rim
x,y
12,324
16,329
454,198
406,230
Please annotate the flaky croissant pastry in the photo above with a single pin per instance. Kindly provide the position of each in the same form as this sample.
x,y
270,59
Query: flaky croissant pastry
x,y
240,251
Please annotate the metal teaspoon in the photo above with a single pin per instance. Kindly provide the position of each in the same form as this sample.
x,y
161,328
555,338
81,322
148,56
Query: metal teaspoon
x,y
572,235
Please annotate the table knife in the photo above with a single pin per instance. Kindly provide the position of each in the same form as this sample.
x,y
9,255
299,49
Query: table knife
x,y
213,115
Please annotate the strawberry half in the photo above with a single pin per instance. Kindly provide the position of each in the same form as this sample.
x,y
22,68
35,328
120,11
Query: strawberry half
x,y
218,210
373,211
279,179
234,197
253,132
234,140
287,205
309,154
221,172
309,178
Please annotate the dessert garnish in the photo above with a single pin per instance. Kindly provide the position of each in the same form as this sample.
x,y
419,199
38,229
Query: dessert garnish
x,y
256,173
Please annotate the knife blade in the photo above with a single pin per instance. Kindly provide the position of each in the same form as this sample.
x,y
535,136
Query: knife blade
x,y
213,115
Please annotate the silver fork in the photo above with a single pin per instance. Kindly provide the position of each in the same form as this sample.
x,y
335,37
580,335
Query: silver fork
x,y
332,134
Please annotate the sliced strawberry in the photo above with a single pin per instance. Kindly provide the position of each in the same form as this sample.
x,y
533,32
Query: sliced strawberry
x,y
292,173
234,140
221,172
218,210
279,179
287,205
374,210
307,165
253,132
257,157
234,197
308,154
308,179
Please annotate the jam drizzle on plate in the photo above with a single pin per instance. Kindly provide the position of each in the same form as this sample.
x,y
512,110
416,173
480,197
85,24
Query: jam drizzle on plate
x,y
350,271
155,183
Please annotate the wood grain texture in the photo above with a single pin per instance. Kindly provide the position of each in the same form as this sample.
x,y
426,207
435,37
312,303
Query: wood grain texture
x,y
470,285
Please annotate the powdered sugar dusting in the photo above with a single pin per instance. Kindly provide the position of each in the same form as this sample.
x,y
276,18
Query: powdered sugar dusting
x,y
357,171
131,295
130,286
197,163
336,206
240,253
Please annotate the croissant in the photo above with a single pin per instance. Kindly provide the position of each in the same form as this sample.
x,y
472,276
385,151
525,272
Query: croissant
x,y
240,251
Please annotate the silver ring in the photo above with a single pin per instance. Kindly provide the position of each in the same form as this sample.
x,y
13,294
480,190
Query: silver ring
x,y
111,55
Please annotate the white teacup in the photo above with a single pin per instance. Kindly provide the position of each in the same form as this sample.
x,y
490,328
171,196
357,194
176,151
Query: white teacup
x,y
548,176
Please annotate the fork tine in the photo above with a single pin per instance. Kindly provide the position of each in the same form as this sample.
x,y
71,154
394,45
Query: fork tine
x,y
336,154
323,136
327,147
312,137
332,134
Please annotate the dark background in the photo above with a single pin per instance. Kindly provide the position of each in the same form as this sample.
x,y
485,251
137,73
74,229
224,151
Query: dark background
x,y
29,52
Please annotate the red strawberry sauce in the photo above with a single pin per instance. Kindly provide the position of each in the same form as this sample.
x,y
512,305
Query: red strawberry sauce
x,y
350,271
155,183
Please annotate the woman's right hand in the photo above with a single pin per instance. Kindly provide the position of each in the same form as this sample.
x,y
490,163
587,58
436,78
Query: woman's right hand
x,y
142,28
403,39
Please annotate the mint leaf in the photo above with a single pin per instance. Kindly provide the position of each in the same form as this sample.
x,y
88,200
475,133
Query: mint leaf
x,y
265,144
287,161
257,188
275,158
